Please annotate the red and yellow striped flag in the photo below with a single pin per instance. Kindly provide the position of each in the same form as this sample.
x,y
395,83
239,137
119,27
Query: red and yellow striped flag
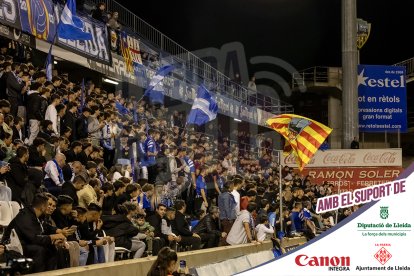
x,y
304,135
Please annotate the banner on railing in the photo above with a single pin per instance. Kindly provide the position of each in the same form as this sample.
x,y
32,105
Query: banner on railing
x,y
96,49
178,89
38,19
128,46
16,35
10,13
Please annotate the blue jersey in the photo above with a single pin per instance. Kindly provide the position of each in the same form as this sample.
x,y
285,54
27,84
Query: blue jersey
x,y
200,184
296,221
190,164
142,154
150,146
146,204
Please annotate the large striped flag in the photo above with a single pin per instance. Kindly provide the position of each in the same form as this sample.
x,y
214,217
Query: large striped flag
x,y
304,135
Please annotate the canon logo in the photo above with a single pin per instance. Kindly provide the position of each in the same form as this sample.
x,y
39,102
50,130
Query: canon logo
x,y
381,158
345,158
303,260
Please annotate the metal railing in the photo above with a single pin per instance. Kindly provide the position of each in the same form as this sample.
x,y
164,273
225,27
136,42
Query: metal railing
x,y
317,74
210,76
409,67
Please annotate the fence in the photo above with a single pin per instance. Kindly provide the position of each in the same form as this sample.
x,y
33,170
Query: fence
x,y
210,76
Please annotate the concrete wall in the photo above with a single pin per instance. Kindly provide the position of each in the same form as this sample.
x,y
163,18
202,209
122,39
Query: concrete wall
x,y
141,266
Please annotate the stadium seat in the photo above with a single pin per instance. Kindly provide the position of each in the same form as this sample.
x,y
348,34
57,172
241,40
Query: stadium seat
x,y
122,253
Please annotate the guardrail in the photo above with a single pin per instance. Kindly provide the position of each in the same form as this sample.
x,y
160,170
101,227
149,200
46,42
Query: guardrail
x,y
317,74
210,76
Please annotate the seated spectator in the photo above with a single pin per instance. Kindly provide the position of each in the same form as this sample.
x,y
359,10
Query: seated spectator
x,y
145,228
88,194
145,198
242,230
18,175
89,229
181,227
54,175
166,227
38,243
209,230
120,226
264,230
7,147
131,194
37,153
73,154
110,201
46,130
156,222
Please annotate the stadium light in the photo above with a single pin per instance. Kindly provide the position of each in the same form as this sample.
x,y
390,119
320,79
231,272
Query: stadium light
x,y
110,81
54,62
237,120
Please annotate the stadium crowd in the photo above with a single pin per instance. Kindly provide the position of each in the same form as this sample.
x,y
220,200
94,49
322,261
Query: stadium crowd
x,y
94,171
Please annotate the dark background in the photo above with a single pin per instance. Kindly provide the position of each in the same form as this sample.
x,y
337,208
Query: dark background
x,y
305,33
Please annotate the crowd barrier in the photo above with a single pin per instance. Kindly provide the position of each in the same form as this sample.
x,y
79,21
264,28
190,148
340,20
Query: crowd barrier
x,y
140,267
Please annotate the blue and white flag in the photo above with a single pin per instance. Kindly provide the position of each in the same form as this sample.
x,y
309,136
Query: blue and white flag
x,y
48,65
204,108
71,26
155,90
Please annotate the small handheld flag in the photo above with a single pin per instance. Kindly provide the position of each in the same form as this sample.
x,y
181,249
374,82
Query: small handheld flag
x,y
204,108
155,90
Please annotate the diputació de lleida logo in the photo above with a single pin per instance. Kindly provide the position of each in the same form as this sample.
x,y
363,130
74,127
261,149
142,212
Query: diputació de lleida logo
x,y
384,212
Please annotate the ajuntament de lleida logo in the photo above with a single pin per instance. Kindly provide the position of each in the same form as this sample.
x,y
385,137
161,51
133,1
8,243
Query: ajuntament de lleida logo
x,y
384,212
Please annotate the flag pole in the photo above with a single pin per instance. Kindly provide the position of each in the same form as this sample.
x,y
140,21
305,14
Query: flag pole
x,y
280,196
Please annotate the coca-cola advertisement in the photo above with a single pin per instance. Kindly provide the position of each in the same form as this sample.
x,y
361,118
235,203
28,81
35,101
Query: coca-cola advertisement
x,y
350,158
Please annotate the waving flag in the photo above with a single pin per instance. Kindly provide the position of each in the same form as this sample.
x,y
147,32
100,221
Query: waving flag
x,y
48,65
155,90
304,135
204,108
70,26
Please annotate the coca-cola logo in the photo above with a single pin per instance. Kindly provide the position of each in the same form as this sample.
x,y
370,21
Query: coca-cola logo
x,y
344,158
290,159
380,158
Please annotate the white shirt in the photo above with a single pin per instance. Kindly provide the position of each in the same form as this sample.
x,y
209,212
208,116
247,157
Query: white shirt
x,y
52,172
51,115
263,232
237,234
236,196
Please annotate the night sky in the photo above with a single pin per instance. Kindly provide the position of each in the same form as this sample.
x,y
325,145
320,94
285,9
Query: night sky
x,y
305,33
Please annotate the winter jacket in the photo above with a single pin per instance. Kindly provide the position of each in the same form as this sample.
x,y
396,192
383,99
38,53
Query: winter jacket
x,y
121,228
34,102
17,178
